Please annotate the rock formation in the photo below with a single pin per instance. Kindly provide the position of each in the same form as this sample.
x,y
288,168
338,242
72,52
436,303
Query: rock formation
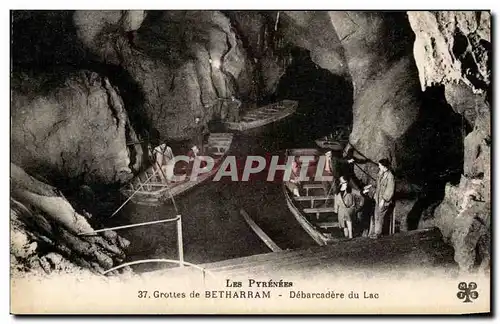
x,y
392,118
47,232
178,59
71,125
454,49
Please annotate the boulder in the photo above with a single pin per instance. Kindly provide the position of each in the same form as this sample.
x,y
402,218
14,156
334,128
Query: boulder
x,y
70,125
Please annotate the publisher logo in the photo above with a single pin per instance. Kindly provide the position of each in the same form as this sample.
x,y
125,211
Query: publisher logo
x,y
467,292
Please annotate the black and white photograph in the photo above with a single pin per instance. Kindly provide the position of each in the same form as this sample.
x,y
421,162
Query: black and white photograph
x,y
250,161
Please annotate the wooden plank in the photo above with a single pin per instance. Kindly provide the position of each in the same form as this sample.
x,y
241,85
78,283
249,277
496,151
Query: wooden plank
x,y
226,141
327,225
220,143
308,198
157,184
220,138
263,236
221,135
319,210
313,186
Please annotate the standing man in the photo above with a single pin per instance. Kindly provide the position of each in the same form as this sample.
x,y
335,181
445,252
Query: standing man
x,y
294,183
234,110
384,194
366,212
345,207
199,134
162,156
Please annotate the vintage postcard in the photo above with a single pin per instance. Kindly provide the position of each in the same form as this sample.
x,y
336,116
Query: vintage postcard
x,y
250,162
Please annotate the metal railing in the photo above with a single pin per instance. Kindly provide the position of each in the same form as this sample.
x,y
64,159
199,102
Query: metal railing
x,y
177,219
181,263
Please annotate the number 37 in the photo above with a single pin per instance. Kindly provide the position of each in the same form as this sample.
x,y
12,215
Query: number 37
x,y
142,293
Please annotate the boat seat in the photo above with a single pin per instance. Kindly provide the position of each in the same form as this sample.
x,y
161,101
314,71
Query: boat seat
x,y
219,141
312,199
221,135
307,198
313,186
308,186
217,150
318,211
327,225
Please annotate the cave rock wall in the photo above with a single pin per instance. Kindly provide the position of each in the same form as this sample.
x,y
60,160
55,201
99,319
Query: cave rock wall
x,y
70,125
454,49
185,63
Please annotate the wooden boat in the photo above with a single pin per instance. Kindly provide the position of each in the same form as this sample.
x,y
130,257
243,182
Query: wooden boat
x,y
330,144
335,141
147,188
264,115
314,208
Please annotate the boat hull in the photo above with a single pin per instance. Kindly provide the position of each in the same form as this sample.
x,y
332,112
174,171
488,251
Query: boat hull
x,y
263,116
310,229
313,231
168,191
331,145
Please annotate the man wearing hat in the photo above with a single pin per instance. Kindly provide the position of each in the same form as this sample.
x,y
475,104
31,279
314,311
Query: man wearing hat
x,y
162,155
384,194
345,207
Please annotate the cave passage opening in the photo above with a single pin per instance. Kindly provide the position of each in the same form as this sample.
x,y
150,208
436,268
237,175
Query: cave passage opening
x,y
325,101
438,136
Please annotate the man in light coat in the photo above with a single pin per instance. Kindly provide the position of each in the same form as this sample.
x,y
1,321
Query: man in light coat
x,y
384,194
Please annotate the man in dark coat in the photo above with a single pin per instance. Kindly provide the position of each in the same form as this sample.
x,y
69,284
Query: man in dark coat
x,y
199,135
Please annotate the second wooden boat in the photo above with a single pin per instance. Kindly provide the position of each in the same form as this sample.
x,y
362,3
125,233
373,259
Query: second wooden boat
x,y
264,115
314,208
336,141
148,188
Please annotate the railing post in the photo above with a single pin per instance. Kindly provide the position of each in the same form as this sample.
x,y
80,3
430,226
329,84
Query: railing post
x,y
392,227
179,241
